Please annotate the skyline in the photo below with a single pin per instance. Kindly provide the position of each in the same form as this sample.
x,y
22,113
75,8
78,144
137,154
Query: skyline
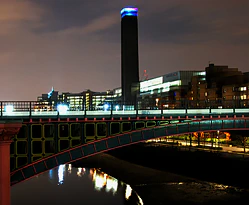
x,y
77,46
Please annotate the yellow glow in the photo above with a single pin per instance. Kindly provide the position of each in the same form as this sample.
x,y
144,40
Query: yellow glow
x,y
140,201
69,169
99,182
79,172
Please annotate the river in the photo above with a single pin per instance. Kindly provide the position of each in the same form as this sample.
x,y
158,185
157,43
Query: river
x,y
68,185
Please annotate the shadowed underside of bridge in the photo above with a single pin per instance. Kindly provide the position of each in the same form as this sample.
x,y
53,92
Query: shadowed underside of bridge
x,y
124,139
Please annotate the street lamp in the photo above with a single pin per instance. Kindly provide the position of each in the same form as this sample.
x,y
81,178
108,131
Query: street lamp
x,y
62,108
9,109
218,132
106,107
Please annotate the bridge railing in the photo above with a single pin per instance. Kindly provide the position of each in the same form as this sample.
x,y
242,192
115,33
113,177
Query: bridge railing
x,y
34,108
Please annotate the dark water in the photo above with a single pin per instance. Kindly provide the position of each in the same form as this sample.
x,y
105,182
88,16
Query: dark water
x,y
76,186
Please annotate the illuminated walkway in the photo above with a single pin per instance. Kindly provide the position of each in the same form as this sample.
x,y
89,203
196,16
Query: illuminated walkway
x,y
225,148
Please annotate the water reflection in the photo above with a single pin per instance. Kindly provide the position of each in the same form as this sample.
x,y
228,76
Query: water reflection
x,y
61,172
101,180
70,179
128,191
104,181
81,172
69,169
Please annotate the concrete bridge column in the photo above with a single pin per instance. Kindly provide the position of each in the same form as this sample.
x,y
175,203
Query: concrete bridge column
x,y
7,130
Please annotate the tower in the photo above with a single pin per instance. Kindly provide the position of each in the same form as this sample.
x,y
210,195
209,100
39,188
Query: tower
x,y
129,55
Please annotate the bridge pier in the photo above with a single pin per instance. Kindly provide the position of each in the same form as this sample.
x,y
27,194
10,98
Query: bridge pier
x,y
7,130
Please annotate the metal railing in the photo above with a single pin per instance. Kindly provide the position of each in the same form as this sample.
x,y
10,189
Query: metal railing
x,y
183,107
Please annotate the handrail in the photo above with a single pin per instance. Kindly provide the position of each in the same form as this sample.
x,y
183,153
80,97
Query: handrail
x,y
179,107
202,112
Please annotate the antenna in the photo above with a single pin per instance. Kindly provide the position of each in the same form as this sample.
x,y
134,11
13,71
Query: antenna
x,y
145,75
51,92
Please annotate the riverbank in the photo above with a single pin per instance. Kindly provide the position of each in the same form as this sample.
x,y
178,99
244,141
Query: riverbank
x,y
204,165
161,187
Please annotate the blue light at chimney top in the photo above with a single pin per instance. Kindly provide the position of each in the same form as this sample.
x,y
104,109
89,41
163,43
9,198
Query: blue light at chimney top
x,y
129,12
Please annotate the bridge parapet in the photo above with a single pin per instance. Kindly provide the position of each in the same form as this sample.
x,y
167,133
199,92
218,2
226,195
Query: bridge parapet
x,y
34,109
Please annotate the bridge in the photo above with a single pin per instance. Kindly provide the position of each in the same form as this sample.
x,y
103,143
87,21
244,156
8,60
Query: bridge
x,y
54,152
45,139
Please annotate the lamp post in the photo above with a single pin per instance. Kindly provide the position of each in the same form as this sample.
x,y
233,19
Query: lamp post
x,y
218,132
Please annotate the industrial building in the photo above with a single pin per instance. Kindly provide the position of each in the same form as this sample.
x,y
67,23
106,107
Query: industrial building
x,y
129,55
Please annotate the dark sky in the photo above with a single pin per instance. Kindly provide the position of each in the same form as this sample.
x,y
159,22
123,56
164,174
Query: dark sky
x,y
74,45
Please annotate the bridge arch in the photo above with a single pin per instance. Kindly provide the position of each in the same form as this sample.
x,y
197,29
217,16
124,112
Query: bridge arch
x,y
125,139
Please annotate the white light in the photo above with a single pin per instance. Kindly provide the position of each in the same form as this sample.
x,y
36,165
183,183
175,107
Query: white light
x,y
128,191
62,108
61,174
106,106
9,108
117,107
111,184
100,182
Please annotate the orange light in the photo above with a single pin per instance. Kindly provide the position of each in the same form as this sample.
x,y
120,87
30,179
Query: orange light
x,y
227,135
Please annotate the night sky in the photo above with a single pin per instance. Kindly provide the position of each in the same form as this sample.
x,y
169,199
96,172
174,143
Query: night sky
x,y
74,45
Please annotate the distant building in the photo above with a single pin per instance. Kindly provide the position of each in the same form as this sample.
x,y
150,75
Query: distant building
x,y
179,89
166,91
218,76
197,93
47,100
223,87
86,100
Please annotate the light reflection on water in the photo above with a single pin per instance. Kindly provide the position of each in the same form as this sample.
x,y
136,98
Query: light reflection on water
x,y
65,176
209,185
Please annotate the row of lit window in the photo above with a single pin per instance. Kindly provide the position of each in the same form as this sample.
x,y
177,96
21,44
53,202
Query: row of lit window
x,y
93,97
236,89
164,86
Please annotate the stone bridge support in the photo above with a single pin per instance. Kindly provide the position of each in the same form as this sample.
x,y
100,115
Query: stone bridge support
x,y
7,130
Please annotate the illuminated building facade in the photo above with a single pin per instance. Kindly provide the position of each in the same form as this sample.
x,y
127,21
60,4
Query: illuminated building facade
x,y
223,87
179,89
87,100
129,55
167,91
